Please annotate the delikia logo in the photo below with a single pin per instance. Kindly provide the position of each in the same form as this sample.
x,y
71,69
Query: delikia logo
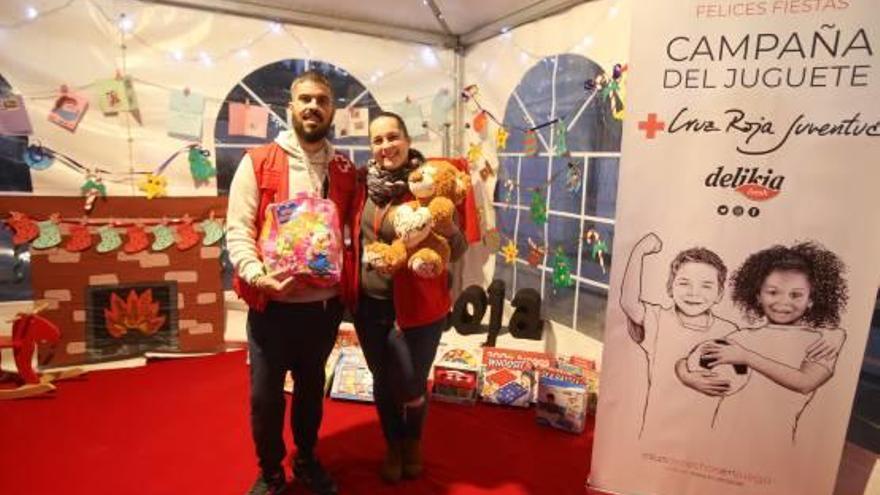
x,y
751,182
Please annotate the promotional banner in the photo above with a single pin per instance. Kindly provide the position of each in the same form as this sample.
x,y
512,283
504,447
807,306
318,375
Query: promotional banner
x,y
747,247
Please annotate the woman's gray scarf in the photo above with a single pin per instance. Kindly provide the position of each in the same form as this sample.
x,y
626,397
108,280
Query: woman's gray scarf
x,y
385,185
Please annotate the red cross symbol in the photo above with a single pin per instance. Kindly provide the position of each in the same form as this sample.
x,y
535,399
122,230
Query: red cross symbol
x,y
651,126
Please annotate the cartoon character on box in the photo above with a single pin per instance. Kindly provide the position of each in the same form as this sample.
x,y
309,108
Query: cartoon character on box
x,y
302,237
438,187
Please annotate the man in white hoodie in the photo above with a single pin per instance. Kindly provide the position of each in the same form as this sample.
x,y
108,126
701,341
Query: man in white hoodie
x,y
288,328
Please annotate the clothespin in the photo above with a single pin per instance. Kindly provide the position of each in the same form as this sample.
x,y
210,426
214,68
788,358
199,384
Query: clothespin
x,y
186,91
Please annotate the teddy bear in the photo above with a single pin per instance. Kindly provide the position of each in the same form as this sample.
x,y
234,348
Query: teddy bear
x,y
438,186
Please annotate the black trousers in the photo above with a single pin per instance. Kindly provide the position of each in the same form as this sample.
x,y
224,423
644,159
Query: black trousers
x,y
296,337
400,361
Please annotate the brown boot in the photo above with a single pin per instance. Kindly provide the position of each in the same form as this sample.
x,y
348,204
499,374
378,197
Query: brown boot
x,y
412,458
392,467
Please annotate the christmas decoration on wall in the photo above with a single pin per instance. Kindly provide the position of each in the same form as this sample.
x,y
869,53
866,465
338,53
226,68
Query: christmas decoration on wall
x,y
187,236
560,148
163,237
530,143
561,270
501,136
248,120
80,239
480,122
110,239
598,248
117,95
50,234
14,120
510,252
153,185
185,114
475,152
92,189
199,166
213,230
486,172
69,108
573,178
538,208
137,239
24,229
536,253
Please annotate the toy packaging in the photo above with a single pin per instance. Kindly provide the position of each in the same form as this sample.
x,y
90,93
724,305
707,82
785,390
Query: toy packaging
x,y
302,237
352,379
456,377
562,400
509,376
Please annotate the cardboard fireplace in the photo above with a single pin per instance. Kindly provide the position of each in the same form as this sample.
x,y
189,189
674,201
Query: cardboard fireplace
x,y
116,304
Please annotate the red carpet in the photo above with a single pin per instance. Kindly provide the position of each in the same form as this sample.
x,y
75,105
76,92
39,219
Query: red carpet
x,y
181,426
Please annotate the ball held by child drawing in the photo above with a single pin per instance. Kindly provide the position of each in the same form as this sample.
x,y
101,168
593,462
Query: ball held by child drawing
x,y
737,375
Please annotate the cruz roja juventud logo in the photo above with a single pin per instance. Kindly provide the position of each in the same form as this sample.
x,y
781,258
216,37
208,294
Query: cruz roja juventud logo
x,y
754,183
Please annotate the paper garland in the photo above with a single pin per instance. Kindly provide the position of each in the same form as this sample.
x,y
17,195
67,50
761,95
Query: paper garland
x,y
24,229
50,235
137,239
80,239
213,231
110,239
187,236
164,238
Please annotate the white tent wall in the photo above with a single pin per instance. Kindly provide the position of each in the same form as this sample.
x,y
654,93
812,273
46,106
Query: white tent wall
x,y
598,30
79,44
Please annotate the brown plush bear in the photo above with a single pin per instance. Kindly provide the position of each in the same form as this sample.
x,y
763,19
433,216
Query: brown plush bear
x,y
438,187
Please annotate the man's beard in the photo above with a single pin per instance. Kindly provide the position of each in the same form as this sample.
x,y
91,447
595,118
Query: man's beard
x,y
313,136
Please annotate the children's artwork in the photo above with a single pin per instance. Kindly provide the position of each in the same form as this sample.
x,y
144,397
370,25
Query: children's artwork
x,y
137,239
538,208
440,106
536,253
562,400
352,122
213,230
153,185
185,115
475,152
23,227
200,166
352,379
163,238
69,108
510,252
598,247
573,178
187,236
50,234
79,239
560,147
530,143
14,120
248,120
110,239
480,123
116,95
411,113
302,237
501,136
92,189
562,278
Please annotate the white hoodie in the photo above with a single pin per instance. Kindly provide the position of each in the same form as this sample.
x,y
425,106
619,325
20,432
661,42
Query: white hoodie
x,y
307,173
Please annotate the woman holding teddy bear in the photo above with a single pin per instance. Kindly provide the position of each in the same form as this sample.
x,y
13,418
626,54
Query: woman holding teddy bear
x,y
403,299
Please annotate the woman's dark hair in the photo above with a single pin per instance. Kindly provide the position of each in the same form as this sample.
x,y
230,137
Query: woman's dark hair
x,y
824,272
400,124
